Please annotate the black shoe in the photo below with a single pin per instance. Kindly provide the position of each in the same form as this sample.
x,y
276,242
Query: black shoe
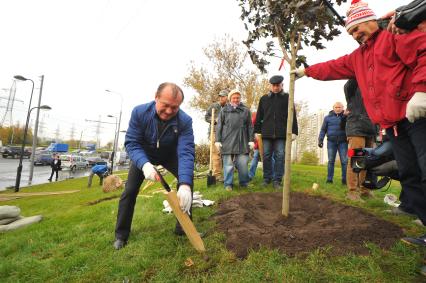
x,y
265,183
329,181
119,244
50,180
277,185
420,241
344,182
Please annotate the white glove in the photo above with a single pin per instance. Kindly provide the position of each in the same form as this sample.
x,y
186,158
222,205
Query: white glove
x,y
218,145
416,107
185,197
293,137
149,172
299,72
251,145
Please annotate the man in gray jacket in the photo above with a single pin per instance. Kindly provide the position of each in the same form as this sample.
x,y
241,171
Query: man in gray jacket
x,y
234,137
217,106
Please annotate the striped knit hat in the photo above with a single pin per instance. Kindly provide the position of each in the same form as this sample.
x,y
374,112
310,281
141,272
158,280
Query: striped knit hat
x,y
358,13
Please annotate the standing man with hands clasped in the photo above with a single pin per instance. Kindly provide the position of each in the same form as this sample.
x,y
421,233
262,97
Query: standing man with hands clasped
x,y
336,141
271,122
391,73
159,133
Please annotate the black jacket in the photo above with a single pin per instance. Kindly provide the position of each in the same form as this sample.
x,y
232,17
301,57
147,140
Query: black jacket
x,y
271,119
357,122
56,166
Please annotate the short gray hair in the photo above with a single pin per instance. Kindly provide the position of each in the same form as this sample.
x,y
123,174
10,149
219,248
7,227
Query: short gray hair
x,y
176,90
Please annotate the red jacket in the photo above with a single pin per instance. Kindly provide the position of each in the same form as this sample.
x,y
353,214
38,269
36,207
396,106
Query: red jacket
x,y
253,121
389,69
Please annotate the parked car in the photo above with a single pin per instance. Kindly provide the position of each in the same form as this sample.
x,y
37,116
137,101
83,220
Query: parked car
x,y
92,160
73,162
43,159
15,152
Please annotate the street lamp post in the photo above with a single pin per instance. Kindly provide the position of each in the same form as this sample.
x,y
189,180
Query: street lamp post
x,y
19,169
30,178
119,119
114,144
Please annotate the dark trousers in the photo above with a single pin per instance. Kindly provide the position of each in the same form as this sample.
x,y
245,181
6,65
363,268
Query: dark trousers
x,y
273,159
127,201
54,171
409,147
332,148
89,181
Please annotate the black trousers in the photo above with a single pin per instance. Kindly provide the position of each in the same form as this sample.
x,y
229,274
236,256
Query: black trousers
x,y
409,147
54,171
127,201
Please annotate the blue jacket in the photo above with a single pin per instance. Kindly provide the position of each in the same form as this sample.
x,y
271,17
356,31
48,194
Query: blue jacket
x,y
99,169
332,127
144,144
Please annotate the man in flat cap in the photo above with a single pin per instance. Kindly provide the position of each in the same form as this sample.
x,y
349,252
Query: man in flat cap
x,y
217,106
271,122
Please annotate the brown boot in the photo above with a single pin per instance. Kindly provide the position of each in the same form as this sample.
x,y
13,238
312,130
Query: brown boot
x,y
354,196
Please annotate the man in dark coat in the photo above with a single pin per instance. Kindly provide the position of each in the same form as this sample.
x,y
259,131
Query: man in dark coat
x,y
55,164
336,141
271,122
361,133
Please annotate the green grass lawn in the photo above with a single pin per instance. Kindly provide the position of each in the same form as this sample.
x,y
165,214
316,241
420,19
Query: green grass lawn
x,y
73,243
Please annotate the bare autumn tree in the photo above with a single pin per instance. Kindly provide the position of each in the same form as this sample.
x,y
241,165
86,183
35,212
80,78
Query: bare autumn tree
x,y
294,24
227,69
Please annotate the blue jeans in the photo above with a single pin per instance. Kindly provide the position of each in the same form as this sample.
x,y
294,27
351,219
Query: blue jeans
x,y
409,148
253,164
273,149
332,148
229,162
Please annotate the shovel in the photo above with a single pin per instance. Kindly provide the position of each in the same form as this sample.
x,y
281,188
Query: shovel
x,y
183,218
211,180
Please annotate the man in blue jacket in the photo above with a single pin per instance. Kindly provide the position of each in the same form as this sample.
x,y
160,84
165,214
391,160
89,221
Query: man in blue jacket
x,y
99,169
159,133
336,140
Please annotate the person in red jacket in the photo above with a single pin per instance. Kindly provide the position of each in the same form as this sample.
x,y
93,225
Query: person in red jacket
x,y
391,73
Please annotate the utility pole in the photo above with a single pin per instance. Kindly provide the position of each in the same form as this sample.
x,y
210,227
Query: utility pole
x,y
30,178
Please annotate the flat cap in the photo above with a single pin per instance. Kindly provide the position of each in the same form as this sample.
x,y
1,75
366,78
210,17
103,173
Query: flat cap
x,y
276,79
223,93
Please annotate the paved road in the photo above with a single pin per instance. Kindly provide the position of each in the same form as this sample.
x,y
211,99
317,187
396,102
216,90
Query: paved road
x,y
41,174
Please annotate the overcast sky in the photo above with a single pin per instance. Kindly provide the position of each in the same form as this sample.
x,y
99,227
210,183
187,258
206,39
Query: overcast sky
x,y
129,47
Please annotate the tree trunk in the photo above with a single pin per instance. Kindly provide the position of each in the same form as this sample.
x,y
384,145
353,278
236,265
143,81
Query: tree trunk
x,y
287,162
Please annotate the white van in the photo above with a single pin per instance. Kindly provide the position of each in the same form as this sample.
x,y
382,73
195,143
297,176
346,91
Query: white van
x,y
73,162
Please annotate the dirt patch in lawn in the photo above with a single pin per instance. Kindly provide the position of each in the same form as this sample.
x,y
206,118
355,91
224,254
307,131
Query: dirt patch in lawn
x,y
254,220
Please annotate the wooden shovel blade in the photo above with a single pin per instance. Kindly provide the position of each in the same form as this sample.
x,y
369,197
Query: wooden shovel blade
x,y
186,223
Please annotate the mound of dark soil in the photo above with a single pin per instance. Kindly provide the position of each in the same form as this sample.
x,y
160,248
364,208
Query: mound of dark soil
x,y
253,220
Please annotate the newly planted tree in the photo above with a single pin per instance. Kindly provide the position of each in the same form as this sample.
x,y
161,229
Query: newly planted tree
x,y
293,25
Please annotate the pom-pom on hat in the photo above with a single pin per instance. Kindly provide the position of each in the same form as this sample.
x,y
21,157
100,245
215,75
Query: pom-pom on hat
x,y
358,12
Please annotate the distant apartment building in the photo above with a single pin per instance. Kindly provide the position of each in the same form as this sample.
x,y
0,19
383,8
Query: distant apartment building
x,y
307,141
